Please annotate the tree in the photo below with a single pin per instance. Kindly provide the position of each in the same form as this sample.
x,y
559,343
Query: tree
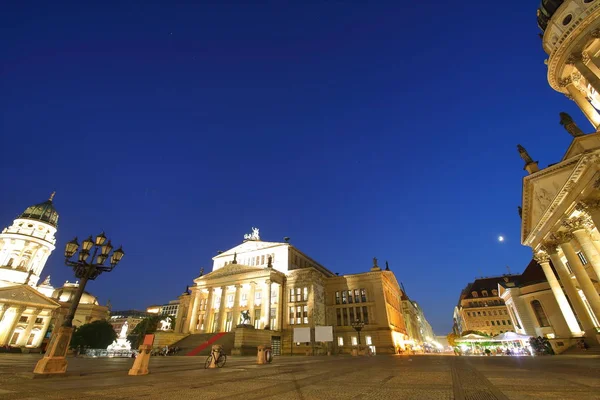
x,y
147,326
95,335
451,339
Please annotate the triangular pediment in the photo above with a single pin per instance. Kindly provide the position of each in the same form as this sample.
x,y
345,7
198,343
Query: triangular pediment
x,y
582,144
231,269
26,295
248,246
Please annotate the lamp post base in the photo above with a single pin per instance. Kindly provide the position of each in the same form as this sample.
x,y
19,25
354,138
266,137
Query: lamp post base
x,y
54,361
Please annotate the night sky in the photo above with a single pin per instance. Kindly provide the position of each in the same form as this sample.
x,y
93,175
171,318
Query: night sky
x,y
356,130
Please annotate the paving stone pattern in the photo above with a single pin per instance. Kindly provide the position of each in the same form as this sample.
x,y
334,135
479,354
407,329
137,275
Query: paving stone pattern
x,y
306,378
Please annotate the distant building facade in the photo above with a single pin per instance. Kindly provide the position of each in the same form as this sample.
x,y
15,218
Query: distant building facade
x,y
169,309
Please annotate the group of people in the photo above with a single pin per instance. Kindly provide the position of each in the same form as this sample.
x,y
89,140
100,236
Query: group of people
x,y
166,351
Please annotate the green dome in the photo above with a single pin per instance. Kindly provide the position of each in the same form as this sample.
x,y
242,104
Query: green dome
x,y
44,212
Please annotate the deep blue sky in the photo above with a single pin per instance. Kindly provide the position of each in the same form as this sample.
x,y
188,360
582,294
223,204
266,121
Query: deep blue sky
x,y
356,130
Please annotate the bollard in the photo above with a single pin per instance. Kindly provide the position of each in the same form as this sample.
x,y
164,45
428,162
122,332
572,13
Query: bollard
x,y
216,352
140,365
265,355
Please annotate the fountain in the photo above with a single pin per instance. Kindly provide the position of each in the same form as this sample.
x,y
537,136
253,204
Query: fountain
x,y
121,344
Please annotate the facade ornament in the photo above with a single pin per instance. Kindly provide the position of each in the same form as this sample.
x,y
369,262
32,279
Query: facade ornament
x,y
234,258
573,58
565,82
576,77
570,126
52,196
585,58
541,257
550,247
387,267
520,209
375,263
578,223
46,281
596,33
269,262
252,236
201,271
587,206
562,237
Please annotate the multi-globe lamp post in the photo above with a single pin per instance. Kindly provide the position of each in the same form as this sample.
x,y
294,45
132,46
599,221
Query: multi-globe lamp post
x,y
54,361
358,325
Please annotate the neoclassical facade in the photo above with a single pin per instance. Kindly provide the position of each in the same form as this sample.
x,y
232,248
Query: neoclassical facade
x,y
561,203
280,288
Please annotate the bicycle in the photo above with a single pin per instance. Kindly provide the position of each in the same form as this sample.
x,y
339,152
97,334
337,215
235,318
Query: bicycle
x,y
219,361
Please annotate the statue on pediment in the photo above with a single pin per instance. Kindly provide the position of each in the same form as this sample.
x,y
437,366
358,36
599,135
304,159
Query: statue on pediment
x,y
254,235
570,126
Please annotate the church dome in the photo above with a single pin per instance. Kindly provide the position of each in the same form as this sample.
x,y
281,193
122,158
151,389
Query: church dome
x,y
44,212
67,292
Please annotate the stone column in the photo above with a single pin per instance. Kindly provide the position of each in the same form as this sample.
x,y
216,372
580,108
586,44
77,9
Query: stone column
x,y
236,306
544,260
582,102
281,312
569,286
586,72
221,310
193,314
40,337
580,273
592,209
208,312
268,304
9,332
25,336
251,300
3,308
578,227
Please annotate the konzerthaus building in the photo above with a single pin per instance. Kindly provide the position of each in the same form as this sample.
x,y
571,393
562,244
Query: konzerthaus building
x,y
281,288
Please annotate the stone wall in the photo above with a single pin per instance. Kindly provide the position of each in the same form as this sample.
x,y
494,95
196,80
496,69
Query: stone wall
x,y
248,339
162,339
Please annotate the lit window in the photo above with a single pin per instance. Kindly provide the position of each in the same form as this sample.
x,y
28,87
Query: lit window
x,y
340,341
350,296
344,297
305,290
356,296
474,294
305,316
354,341
582,258
337,297
363,295
368,340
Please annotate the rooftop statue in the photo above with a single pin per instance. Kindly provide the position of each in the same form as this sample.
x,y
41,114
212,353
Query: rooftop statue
x,y
524,155
570,126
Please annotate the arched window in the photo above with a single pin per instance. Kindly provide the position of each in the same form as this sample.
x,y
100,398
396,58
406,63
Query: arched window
x,y
540,315
484,293
474,293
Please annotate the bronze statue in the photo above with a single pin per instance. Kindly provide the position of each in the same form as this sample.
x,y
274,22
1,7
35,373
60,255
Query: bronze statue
x,y
375,262
387,267
234,258
570,126
201,271
269,262
524,155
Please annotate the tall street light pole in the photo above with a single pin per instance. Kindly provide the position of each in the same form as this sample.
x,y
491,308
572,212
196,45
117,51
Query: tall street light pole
x,y
358,325
54,361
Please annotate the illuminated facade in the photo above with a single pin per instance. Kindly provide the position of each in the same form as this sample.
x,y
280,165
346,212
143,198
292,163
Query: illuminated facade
x,y
481,308
417,327
561,203
281,288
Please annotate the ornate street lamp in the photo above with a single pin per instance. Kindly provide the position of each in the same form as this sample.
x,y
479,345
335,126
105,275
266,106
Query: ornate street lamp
x,y
85,269
358,325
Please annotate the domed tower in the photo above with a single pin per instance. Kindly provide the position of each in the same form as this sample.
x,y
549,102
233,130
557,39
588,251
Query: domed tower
x,y
26,245
571,37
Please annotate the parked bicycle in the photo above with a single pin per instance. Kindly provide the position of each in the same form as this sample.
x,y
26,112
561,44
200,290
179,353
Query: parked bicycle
x,y
219,361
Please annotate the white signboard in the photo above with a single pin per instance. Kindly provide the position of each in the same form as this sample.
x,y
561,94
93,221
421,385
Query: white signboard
x,y
324,334
301,335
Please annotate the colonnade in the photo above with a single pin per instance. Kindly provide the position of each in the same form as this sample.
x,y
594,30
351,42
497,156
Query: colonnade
x,y
9,326
581,313
206,316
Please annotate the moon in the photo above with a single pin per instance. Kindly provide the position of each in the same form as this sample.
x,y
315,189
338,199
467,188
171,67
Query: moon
x,y
501,238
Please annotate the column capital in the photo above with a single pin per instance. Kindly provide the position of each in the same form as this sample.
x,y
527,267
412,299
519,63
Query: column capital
x,y
573,58
541,257
237,286
582,222
20,309
596,33
565,82
588,205
550,247
268,281
562,237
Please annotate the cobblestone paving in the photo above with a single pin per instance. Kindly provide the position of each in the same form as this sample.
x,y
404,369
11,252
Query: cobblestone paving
x,y
305,378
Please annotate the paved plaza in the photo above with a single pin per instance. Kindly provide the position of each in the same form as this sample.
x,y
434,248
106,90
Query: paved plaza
x,y
303,378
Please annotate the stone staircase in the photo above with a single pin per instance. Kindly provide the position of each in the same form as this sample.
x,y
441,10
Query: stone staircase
x,y
593,349
200,344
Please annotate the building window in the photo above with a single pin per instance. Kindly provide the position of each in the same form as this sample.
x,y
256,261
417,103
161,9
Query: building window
x,y
582,258
365,315
568,267
305,316
352,318
340,341
23,319
468,314
358,313
30,340
494,292
363,295
39,320
484,293
344,297
298,294
356,296
345,313
257,318
15,337
298,314
292,296
487,323
474,294
368,340
262,260
305,292
540,315
339,317
484,314
350,296
493,323
291,315
354,340
337,297
508,322
503,322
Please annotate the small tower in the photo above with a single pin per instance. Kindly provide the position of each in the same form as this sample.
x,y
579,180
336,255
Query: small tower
x,y
26,245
